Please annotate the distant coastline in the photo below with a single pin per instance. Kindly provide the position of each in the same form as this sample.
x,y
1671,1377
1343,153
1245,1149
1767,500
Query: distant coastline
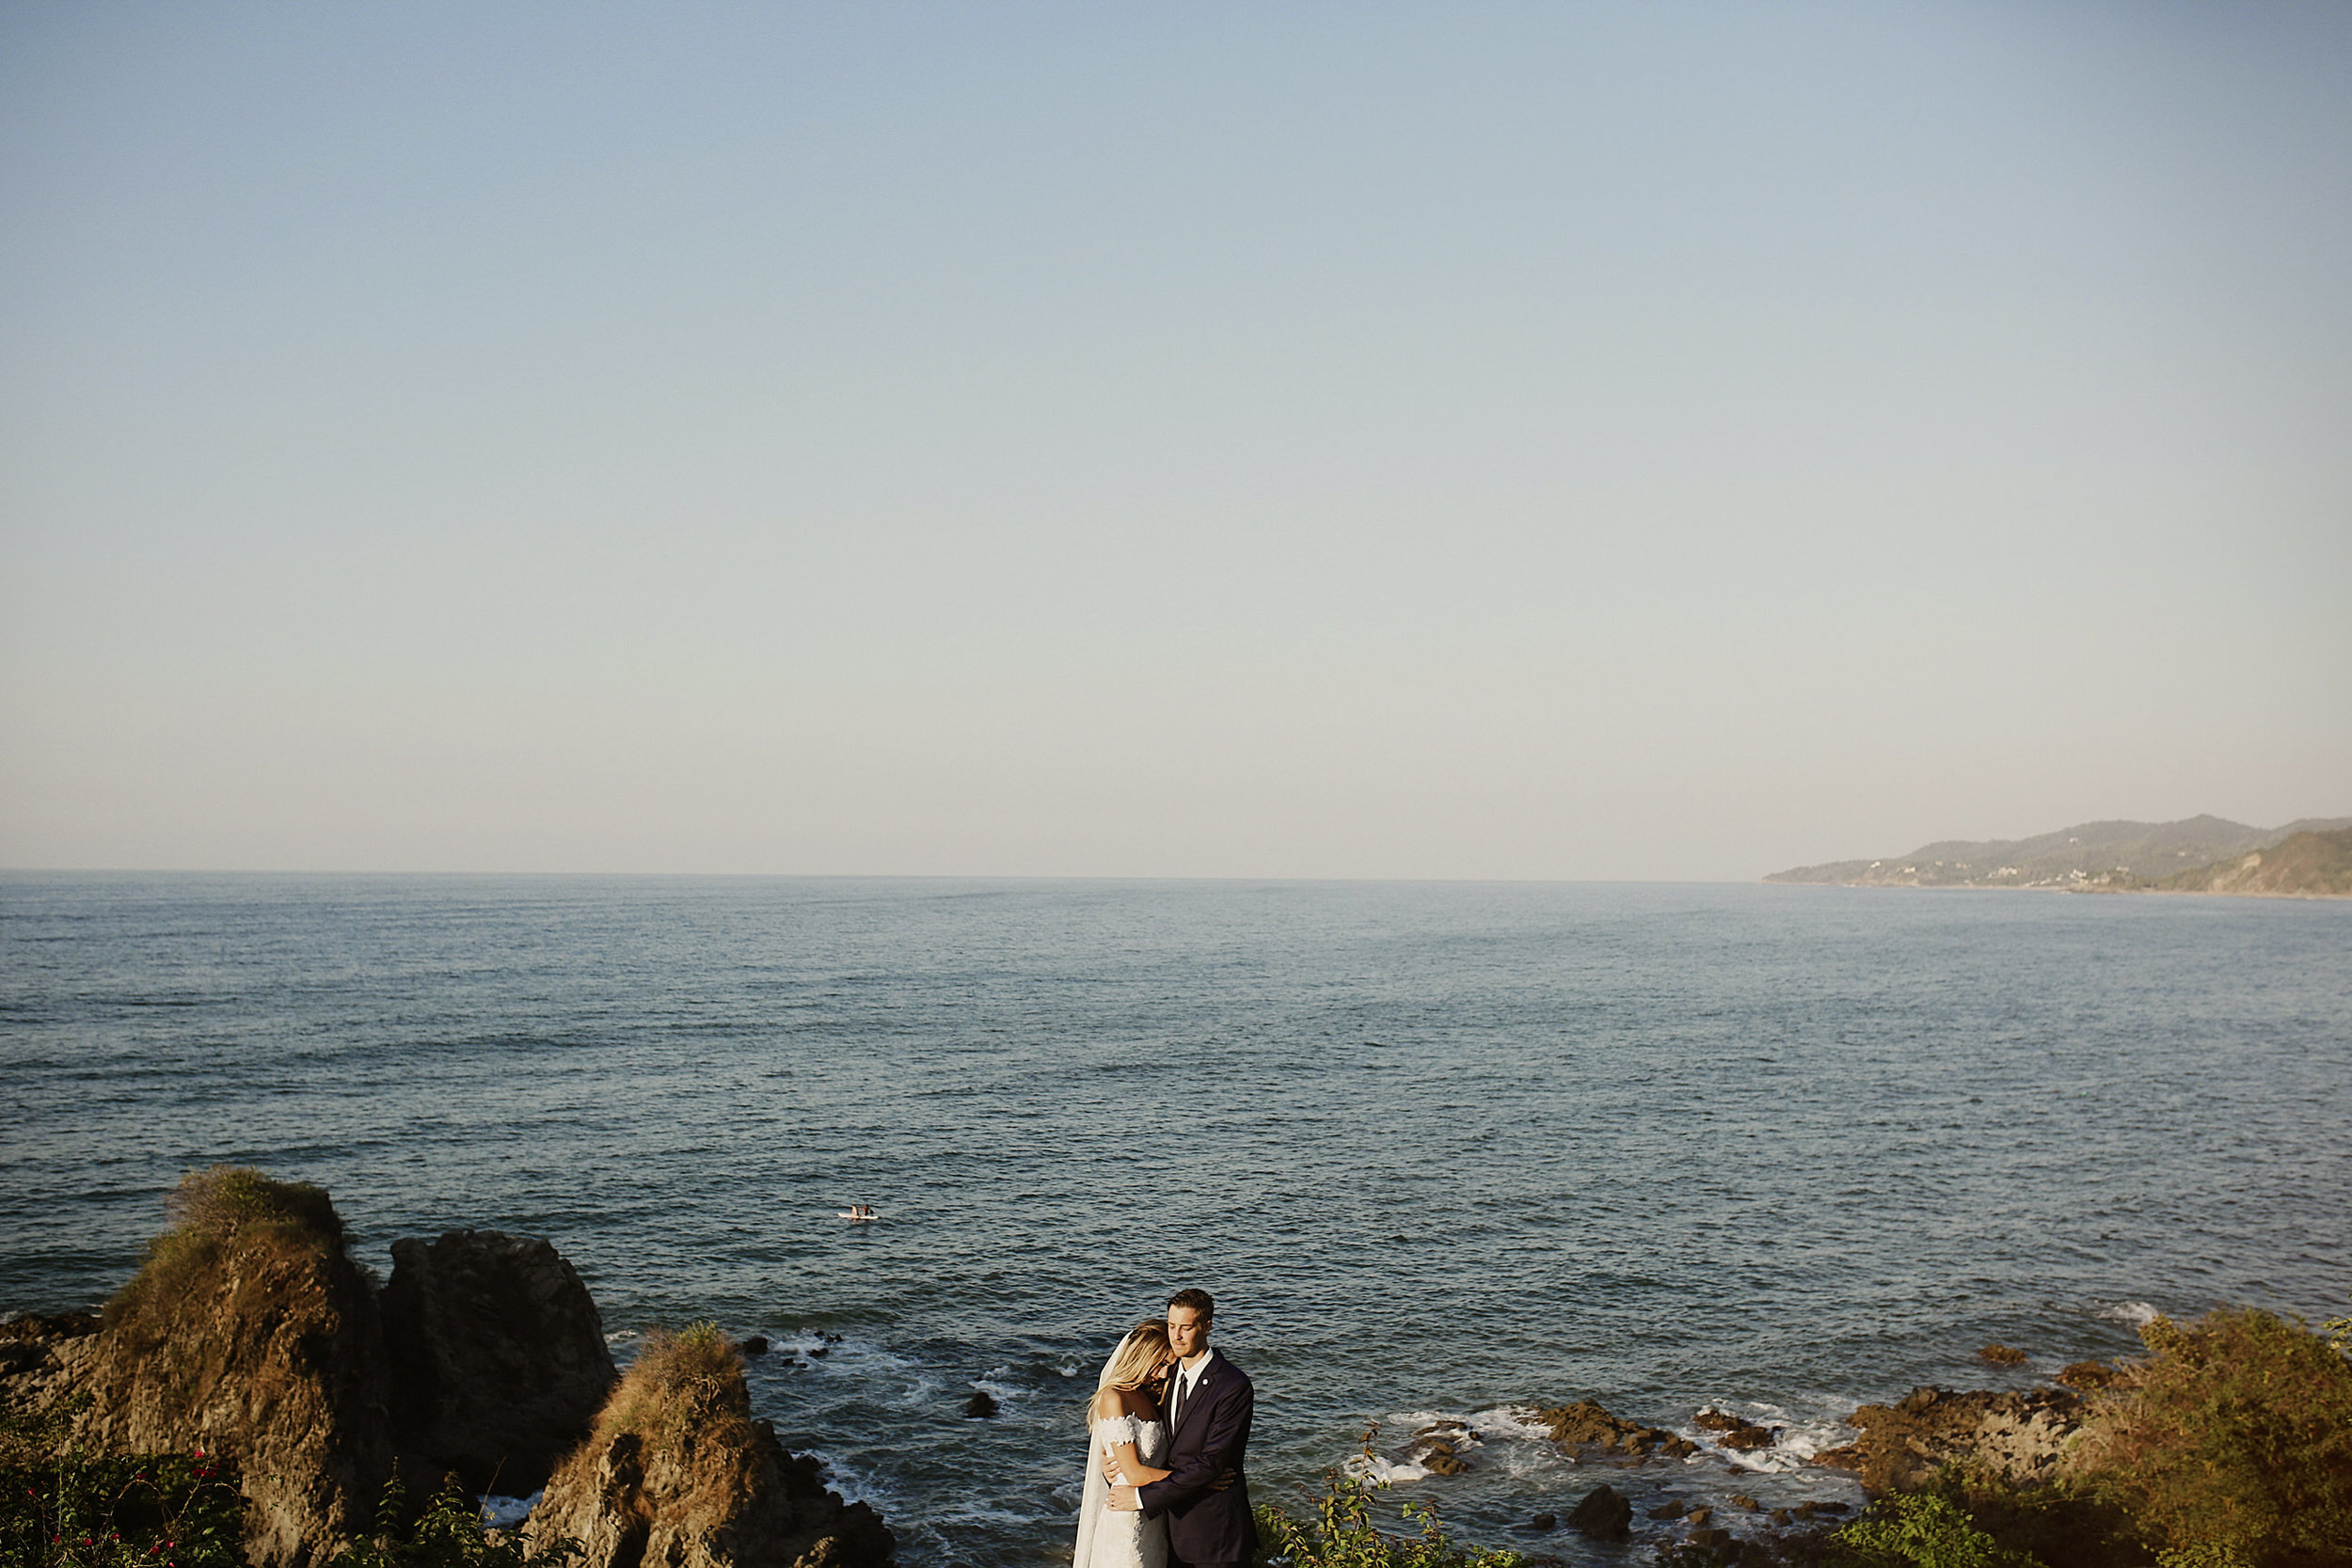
x,y
2311,857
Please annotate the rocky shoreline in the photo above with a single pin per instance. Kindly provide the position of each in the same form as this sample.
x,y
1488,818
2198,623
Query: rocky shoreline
x,y
480,1362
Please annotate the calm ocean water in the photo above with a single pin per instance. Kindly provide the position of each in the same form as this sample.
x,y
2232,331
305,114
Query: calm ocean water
x,y
1438,1149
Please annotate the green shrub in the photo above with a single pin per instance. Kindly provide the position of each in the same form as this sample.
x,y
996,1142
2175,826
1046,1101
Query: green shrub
x,y
2061,1523
62,1507
448,1534
2234,1434
1341,1534
1923,1529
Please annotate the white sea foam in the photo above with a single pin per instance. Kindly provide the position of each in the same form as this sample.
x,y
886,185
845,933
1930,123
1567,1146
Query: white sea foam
x,y
853,1486
1506,1438
2136,1313
1372,1467
1800,1436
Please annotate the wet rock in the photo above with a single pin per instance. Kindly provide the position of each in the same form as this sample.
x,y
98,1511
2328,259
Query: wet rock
x,y
1846,1456
1604,1515
1715,1540
1544,1521
2016,1433
1587,1425
497,1357
48,1326
2084,1376
819,1350
1779,1516
982,1404
1673,1509
1742,1501
1749,1438
755,1345
1699,1515
2001,1355
1717,1420
1443,1464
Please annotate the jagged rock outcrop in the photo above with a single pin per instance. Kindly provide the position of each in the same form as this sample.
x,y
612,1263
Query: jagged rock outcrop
x,y
496,1353
1587,1425
42,1357
249,1333
2020,1435
677,1473
1605,1515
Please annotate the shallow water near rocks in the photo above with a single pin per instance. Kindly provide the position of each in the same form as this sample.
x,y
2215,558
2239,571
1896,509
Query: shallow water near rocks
x,y
1440,1151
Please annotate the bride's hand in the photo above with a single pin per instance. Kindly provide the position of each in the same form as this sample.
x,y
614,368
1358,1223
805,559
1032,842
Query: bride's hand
x,y
1111,1471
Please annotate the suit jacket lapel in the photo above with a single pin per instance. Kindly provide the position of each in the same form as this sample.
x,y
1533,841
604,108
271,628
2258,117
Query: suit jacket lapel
x,y
1194,1400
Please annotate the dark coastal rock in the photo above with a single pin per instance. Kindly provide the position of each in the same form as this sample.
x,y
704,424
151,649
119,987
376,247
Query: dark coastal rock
x,y
1749,1438
2001,1355
756,1344
2018,1434
2084,1376
1699,1515
1542,1522
1604,1515
677,1473
1586,1424
252,1336
49,1326
1673,1508
1443,1464
496,1355
1715,1540
1744,1503
981,1404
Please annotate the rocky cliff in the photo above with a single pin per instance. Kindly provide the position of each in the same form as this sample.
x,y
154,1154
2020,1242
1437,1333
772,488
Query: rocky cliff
x,y
249,1333
678,1473
498,1357
2018,1435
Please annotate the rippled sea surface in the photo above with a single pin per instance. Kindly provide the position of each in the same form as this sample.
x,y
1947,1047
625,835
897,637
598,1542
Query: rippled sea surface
x,y
1439,1150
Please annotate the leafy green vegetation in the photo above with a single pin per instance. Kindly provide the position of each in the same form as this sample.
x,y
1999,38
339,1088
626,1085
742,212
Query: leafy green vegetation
x,y
1341,1534
2229,1445
63,1508
2234,1434
448,1534
1922,1530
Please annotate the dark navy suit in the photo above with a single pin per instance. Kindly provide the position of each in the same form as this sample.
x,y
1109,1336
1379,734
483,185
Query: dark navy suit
x,y
1210,1438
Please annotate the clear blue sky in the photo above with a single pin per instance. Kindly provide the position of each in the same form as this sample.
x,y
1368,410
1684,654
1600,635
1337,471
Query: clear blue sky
x,y
1488,440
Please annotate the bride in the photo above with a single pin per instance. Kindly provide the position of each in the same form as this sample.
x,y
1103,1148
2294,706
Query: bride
x,y
1123,1423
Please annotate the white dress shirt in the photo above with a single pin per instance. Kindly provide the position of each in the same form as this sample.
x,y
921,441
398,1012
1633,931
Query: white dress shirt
x,y
1188,1374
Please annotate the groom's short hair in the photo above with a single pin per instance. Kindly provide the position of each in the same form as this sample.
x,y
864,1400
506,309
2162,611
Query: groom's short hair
x,y
1199,1301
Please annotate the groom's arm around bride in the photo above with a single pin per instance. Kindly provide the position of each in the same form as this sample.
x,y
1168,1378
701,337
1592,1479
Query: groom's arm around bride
x,y
1210,1405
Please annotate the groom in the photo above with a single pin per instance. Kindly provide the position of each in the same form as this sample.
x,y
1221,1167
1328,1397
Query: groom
x,y
1208,1406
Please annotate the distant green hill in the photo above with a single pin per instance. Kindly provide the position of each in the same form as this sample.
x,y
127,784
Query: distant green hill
x,y
2114,855
2301,865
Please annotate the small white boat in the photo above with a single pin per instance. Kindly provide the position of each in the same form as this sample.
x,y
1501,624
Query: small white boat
x,y
859,1214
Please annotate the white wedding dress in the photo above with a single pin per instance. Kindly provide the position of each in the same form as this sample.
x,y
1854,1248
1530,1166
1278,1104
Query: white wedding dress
x,y
1112,1540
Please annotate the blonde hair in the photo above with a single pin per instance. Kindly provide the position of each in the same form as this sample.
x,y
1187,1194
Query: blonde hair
x,y
1138,1355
